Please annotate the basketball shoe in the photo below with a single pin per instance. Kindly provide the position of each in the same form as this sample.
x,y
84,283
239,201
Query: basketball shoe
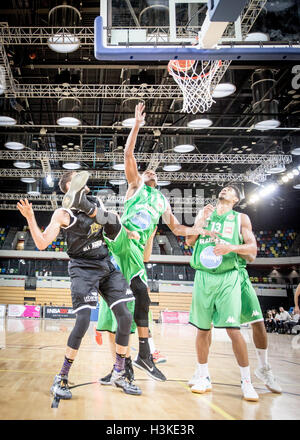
x,y
119,380
202,385
75,197
147,365
158,358
248,391
266,376
129,373
60,387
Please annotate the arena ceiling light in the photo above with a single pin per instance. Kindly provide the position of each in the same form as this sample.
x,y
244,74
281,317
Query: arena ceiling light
x,y
268,124
33,189
223,89
64,41
257,36
118,166
200,123
172,167
277,169
21,164
129,123
71,165
184,148
11,145
296,151
117,182
266,190
163,183
28,179
69,112
7,120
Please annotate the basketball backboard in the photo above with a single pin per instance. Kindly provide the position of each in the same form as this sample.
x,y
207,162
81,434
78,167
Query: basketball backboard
x,y
185,29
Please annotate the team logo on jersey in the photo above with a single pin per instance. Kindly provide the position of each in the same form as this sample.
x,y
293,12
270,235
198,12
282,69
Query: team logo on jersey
x,y
255,313
142,219
230,217
209,259
94,229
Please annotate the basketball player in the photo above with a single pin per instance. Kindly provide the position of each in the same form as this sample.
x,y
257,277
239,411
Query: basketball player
x,y
144,205
251,313
217,290
90,271
107,322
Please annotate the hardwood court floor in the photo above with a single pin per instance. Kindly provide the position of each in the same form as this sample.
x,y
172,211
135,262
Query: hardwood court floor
x,y
33,350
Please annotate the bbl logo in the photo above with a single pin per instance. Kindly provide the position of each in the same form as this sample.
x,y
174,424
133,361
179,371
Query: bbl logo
x,y
209,259
142,219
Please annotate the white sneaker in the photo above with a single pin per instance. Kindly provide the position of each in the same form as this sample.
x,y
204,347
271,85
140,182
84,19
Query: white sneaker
x,y
202,385
194,378
248,391
266,376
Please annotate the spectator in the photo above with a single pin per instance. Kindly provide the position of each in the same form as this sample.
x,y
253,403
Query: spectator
x,y
295,319
296,299
281,318
270,322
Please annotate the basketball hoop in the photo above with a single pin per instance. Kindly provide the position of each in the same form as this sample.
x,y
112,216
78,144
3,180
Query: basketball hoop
x,y
194,78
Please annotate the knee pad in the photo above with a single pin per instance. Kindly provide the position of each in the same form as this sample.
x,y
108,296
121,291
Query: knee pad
x,y
81,325
142,302
124,320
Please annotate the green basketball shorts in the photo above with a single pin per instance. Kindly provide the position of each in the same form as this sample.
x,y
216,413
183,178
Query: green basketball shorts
x,y
251,310
216,300
128,255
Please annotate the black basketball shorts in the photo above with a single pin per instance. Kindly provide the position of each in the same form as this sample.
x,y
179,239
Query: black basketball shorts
x,y
92,277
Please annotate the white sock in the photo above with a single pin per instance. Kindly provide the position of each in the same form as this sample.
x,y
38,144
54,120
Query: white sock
x,y
245,373
262,356
203,369
151,345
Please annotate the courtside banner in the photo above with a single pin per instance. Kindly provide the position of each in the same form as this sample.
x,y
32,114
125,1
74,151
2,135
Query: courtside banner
x,y
58,312
173,317
2,310
26,311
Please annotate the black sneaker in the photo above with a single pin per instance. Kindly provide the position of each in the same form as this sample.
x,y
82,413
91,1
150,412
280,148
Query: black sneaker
x,y
148,365
119,380
60,387
75,197
106,380
129,373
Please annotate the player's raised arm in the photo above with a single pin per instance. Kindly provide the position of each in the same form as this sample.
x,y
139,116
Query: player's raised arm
x,y
131,171
42,239
179,229
200,220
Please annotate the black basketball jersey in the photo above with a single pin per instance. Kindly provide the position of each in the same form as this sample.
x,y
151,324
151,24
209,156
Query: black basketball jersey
x,y
83,236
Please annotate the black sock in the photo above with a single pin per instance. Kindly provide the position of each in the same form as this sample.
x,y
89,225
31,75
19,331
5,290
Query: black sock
x,y
144,349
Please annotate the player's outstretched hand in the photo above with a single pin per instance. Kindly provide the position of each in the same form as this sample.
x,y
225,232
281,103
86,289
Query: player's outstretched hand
x,y
139,113
25,209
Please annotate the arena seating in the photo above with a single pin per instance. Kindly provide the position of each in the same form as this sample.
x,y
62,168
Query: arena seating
x,y
274,243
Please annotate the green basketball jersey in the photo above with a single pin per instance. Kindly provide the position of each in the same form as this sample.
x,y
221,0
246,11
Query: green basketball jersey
x,y
204,258
143,210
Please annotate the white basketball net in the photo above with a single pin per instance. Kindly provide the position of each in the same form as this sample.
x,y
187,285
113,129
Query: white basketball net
x,y
194,78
